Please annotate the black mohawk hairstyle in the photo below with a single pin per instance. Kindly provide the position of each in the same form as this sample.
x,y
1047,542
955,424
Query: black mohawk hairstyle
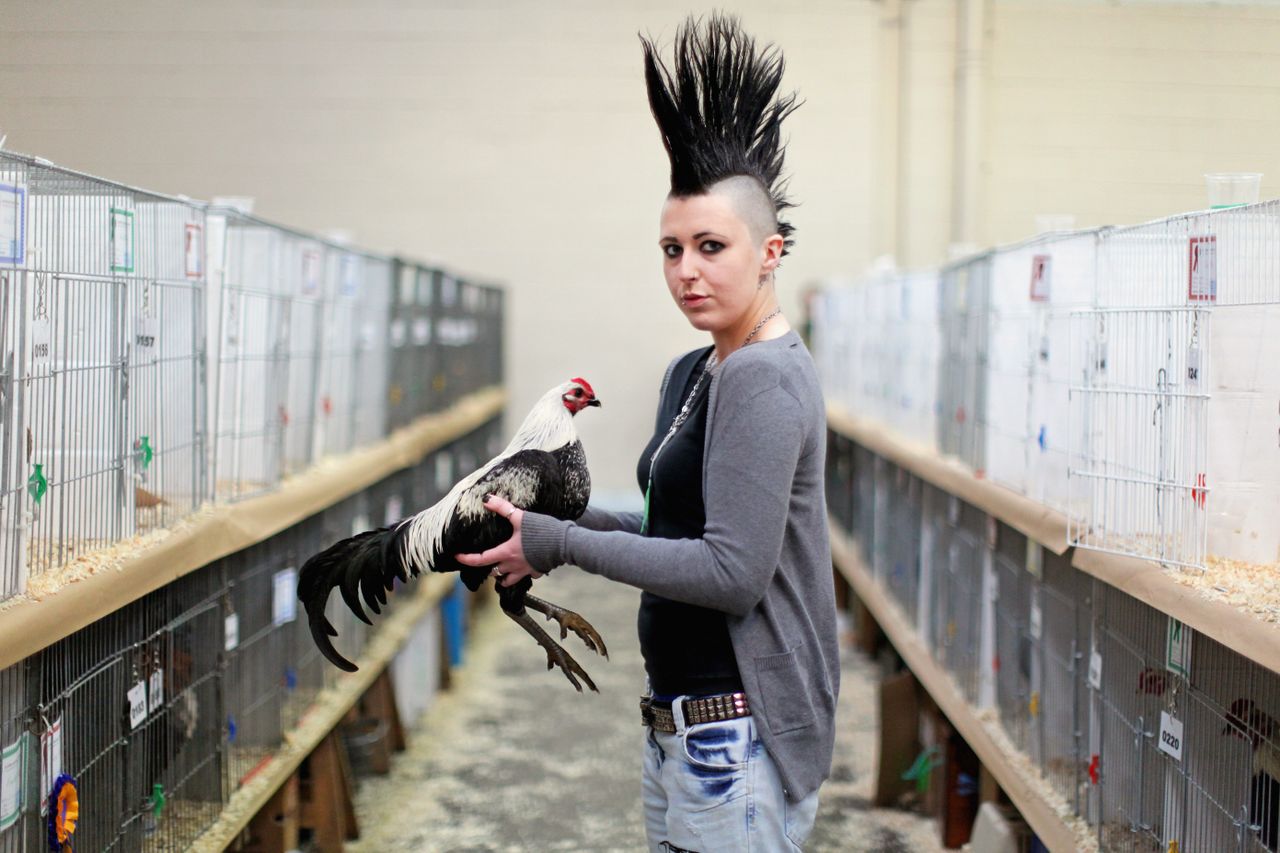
x,y
718,110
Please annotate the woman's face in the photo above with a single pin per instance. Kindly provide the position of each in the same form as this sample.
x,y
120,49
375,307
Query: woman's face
x,y
712,264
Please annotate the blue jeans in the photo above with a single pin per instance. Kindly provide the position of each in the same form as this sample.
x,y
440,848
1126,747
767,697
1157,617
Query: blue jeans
x,y
712,787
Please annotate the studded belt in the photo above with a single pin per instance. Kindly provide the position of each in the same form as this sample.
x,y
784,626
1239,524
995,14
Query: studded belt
x,y
705,709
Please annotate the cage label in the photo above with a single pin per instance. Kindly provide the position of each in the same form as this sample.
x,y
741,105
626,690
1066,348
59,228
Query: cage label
x,y
1170,741
1095,669
284,598
1202,273
1040,269
41,340
122,258
155,691
50,760
11,784
1178,649
137,704
13,224
193,250
230,631
146,333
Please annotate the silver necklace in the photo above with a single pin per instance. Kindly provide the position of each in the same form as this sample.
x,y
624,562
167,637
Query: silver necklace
x,y
683,414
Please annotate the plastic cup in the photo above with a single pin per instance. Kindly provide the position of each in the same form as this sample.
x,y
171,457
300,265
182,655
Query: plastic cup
x,y
1232,189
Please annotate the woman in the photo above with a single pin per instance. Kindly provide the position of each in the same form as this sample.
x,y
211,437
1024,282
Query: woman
x,y
737,619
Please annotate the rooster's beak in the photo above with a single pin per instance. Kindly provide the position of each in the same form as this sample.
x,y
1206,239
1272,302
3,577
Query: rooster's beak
x,y
593,402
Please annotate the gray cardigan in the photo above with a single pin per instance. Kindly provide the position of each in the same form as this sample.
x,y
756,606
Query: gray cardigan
x,y
764,558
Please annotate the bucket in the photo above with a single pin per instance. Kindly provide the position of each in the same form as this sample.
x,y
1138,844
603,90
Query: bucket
x,y
365,739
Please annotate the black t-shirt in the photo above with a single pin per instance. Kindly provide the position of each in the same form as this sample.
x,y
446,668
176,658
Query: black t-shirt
x,y
686,648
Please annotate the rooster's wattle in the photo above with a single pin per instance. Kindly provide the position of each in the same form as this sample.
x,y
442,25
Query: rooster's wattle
x,y
542,470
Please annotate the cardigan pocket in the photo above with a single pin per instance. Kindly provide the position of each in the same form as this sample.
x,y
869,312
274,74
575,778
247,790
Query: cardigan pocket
x,y
785,693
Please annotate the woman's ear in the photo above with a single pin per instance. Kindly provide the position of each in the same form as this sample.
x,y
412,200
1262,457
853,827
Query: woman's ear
x,y
772,254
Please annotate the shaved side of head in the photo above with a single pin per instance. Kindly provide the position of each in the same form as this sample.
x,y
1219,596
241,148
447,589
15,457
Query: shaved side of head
x,y
752,202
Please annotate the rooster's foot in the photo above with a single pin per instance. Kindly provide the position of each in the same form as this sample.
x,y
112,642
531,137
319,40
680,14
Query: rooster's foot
x,y
556,656
569,621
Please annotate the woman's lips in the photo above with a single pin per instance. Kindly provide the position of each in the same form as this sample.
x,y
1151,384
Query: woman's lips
x,y
693,301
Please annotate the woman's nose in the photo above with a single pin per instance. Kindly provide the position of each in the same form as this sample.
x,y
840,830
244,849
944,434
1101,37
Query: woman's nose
x,y
688,268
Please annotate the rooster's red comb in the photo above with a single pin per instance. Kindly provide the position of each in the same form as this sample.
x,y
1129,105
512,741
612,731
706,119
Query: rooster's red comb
x,y
586,386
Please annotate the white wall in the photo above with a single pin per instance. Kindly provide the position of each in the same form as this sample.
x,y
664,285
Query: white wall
x,y
510,140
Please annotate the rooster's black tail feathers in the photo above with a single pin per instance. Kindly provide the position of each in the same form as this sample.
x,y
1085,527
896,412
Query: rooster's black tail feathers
x,y
365,565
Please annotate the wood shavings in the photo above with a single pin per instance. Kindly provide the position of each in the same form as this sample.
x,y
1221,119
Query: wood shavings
x,y
1252,588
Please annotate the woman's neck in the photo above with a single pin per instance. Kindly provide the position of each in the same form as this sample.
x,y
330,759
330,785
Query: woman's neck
x,y
731,339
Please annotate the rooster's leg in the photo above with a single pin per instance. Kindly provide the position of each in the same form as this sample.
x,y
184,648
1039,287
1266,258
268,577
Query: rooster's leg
x,y
569,621
512,599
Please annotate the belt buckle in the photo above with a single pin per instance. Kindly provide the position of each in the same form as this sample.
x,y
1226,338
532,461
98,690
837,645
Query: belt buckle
x,y
646,710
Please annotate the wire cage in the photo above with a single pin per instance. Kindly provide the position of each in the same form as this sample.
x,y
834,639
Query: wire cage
x,y
956,608
1034,287
1140,413
963,298
1018,627
100,312
372,370
337,371
1064,605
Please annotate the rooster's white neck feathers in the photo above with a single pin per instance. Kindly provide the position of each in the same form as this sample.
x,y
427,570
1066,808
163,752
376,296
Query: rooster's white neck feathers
x,y
548,426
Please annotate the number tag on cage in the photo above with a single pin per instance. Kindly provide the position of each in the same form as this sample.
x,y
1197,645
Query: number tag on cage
x,y
230,631
1202,273
1193,365
147,333
1036,620
155,691
1095,669
284,597
137,704
1040,267
1170,736
41,340
121,240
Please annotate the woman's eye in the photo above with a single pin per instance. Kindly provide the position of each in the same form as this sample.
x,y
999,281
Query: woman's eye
x,y
671,250
711,246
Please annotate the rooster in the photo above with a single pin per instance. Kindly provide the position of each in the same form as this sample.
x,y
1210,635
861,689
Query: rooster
x,y
1247,721
543,470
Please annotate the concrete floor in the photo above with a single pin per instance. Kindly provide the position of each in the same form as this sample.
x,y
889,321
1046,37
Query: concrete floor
x,y
513,759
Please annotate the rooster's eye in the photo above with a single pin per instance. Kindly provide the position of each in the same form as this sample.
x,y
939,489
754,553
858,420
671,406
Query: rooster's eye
x,y
577,392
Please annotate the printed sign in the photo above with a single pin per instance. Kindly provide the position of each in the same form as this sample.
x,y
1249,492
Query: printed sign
x,y
11,784
1095,669
137,704
230,632
1040,266
1193,365
284,597
193,251
155,691
1170,742
50,760
122,259
13,224
1178,649
1202,274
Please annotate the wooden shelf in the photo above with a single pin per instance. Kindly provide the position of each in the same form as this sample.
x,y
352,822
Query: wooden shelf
x,y
29,625
1052,829
1238,630
326,712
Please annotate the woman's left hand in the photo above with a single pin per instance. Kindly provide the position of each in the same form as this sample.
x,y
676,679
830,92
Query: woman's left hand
x,y
511,566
